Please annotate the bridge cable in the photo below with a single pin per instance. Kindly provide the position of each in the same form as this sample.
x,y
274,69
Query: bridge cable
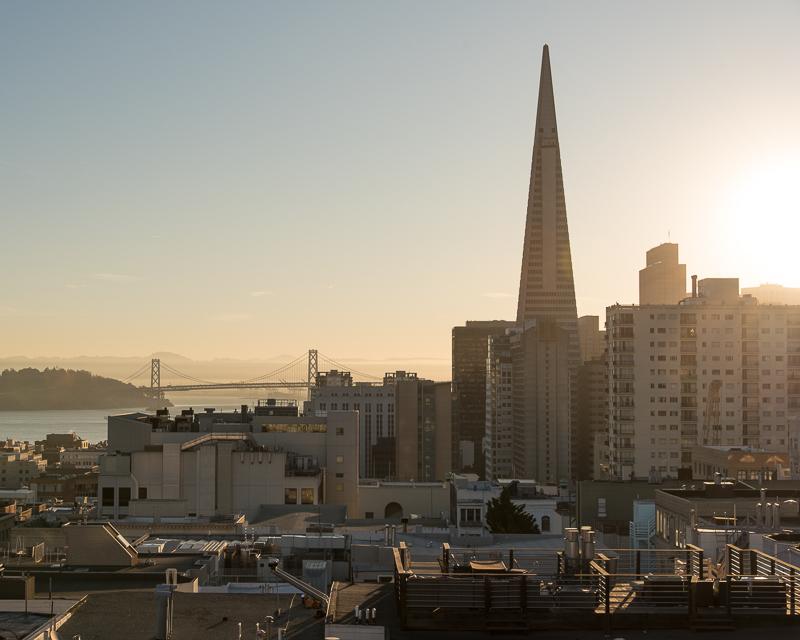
x,y
345,367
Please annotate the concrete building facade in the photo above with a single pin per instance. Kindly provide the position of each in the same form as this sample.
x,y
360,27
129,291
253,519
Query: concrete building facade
x,y
221,463
423,430
404,422
375,404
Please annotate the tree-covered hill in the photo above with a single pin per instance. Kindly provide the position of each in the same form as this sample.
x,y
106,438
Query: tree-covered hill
x,y
33,389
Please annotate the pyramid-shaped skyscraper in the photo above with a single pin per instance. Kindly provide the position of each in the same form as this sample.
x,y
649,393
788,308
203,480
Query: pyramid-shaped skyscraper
x,y
546,287
545,350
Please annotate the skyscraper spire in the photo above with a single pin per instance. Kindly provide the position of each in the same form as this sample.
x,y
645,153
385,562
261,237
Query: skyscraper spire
x,y
547,290
546,351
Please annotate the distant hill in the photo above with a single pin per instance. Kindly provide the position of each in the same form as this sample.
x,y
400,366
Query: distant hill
x,y
32,389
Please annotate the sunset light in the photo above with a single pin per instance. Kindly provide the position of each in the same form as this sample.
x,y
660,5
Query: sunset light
x,y
764,209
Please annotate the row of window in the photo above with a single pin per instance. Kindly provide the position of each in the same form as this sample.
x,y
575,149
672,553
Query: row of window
x,y
306,495
323,406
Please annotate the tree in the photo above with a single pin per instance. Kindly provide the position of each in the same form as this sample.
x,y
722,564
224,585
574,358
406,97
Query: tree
x,y
503,516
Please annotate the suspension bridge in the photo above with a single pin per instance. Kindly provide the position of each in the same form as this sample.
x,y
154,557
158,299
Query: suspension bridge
x,y
300,373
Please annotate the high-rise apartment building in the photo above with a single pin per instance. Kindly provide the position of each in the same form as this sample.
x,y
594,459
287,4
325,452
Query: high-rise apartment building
x,y
663,280
717,369
470,350
498,442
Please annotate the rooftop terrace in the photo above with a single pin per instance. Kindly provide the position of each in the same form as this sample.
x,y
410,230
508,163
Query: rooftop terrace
x,y
517,590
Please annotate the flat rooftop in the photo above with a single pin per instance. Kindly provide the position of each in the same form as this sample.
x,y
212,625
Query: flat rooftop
x,y
197,616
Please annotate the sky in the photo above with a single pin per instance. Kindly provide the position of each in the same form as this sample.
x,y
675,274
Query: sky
x,y
248,179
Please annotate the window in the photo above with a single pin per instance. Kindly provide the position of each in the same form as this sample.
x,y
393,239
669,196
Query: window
x,y
601,508
340,475
339,431
124,496
289,496
339,459
369,515
545,523
142,493
108,496
339,487
470,515
307,496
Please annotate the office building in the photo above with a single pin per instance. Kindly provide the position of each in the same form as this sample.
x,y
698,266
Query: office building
x,y
470,350
498,442
717,369
404,422
663,280
375,404
546,312
547,290
591,424
423,441
592,339
542,375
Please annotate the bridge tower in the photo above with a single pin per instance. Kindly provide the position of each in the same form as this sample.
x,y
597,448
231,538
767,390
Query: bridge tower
x,y
155,379
313,370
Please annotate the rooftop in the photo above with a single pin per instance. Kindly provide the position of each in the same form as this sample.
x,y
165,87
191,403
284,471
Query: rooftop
x,y
197,616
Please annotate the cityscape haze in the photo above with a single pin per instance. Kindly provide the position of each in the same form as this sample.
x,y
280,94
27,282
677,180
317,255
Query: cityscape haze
x,y
307,150
261,370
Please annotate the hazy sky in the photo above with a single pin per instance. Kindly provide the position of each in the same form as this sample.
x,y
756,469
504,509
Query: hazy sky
x,y
245,179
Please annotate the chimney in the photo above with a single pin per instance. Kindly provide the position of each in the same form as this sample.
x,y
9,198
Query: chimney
x,y
694,286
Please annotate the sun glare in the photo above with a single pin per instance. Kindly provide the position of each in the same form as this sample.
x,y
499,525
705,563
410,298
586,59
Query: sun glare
x,y
764,216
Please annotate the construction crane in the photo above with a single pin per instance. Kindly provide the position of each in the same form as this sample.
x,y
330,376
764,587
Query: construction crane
x,y
712,429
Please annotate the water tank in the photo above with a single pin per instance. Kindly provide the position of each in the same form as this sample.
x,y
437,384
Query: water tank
x,y
571,543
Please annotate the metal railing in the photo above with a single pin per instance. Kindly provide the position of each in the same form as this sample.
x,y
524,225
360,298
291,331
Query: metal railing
x,y
617,584
757,580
